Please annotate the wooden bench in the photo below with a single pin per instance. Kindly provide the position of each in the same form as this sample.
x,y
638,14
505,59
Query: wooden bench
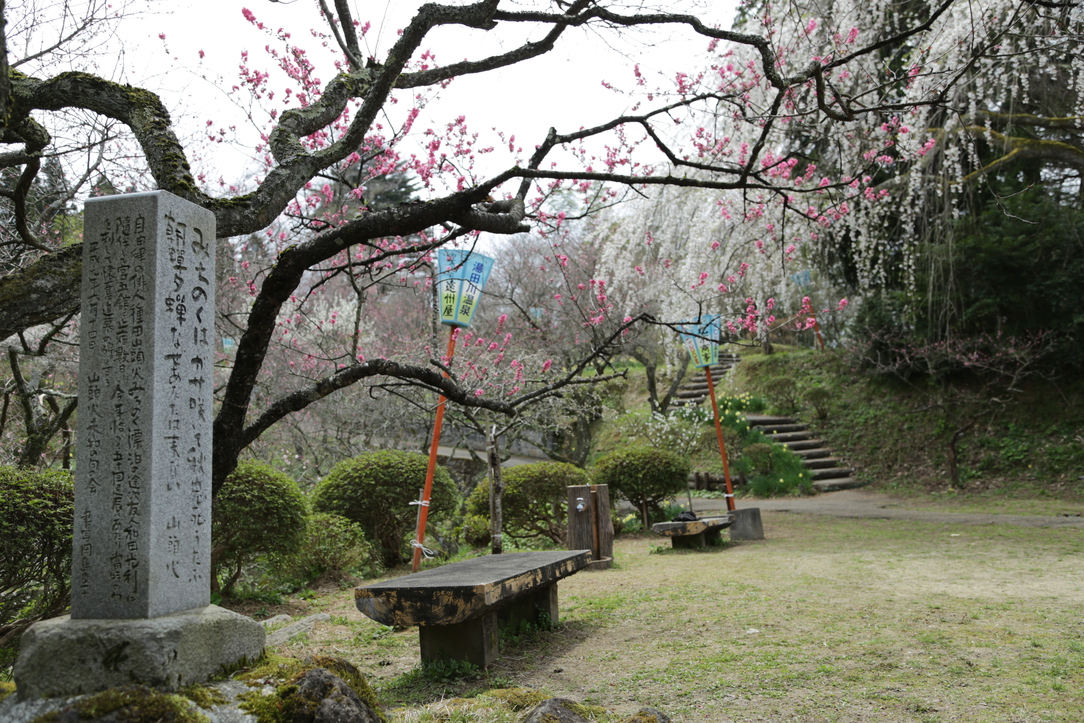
x,y
459,607
694,533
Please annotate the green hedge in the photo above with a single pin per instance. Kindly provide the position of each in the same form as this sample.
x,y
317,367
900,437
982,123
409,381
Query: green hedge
x,y
37,512
644,476
258,510
534,503
375,490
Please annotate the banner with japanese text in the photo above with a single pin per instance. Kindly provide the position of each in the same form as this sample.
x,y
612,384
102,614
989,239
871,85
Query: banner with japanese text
x,y
701,339
461,277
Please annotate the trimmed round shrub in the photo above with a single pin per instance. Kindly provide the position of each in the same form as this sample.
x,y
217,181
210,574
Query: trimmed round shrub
x,y
258,510
37,512
820,398
783,392
644,476
476,530
375,490
332,549
535,499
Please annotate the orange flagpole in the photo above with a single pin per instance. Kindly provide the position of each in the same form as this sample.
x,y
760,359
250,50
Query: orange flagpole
x,y
423,513
722,445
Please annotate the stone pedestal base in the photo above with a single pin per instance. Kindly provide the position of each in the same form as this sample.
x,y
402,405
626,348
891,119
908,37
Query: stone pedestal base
x,y
65,657
747,524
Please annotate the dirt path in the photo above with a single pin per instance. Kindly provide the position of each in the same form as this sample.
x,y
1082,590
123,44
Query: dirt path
x,y
860,503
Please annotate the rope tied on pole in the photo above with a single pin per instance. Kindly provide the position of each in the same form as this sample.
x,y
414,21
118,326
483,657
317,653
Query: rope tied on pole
x,y
429,554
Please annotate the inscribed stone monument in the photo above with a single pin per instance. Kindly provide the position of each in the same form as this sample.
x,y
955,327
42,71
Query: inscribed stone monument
x,y
142,536
143,477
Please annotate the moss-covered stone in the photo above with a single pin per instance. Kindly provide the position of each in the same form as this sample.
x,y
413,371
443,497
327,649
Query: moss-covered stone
x,y
587,710
287,703
204,697
135,704
516,698
6,689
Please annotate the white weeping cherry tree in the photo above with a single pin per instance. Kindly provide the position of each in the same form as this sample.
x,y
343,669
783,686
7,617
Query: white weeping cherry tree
x,y
873,154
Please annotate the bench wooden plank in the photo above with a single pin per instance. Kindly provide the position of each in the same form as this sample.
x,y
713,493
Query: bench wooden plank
x,y
457,592
458,606
694,533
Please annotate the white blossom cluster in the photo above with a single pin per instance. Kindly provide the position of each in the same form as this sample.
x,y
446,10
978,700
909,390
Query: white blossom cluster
x,y
884,176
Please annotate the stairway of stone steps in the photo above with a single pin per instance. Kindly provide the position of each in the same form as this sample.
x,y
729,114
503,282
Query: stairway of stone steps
x,y
829,472
695,390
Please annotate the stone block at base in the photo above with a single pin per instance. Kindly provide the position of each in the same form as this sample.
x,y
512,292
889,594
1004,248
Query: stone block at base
x,y
65,657
747,524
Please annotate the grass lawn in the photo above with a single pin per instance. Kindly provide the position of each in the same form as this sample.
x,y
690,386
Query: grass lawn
x,y
827,619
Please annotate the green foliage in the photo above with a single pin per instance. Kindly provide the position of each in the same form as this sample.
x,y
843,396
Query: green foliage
x,y
628,524
773,470
333,548
885,428
1013,267
1017,267
820,399
733,409
375,490
535,499
759,456
37,509
258,510
643,475
476,530
783,393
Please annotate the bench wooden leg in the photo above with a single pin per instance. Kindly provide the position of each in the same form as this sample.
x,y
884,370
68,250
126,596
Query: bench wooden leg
x,y
688,541
474,641
713,537
538,608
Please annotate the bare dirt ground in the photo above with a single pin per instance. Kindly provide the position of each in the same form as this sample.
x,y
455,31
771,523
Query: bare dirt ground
x,y
903,615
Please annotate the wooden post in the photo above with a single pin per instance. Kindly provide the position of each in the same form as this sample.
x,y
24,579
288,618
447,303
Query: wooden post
x,y
591,527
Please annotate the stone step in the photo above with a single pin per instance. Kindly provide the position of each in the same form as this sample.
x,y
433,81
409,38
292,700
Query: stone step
x,y
761,420
810,454
781,428
822,462
685,394
832,473
804,444
843,483
785,437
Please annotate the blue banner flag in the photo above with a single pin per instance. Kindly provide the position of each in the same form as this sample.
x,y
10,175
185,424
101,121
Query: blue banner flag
x,y
461,276
701,338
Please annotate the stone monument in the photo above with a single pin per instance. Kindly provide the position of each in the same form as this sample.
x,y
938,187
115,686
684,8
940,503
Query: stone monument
x,y
141,565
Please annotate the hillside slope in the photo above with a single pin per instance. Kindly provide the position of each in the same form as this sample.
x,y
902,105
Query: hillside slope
x,y
898,435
